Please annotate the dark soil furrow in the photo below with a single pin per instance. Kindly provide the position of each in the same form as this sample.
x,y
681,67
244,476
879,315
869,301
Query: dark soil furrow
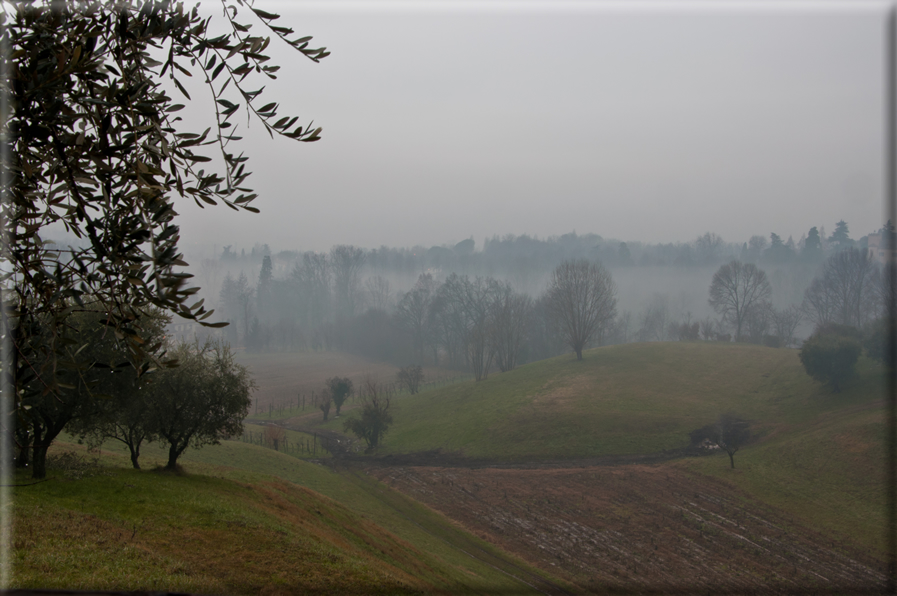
x,y
639,529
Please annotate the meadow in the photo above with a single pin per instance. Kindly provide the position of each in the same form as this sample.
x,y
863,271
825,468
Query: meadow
x,y
568,473
242,519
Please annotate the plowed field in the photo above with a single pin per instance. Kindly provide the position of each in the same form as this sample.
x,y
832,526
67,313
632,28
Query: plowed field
x,y
641,529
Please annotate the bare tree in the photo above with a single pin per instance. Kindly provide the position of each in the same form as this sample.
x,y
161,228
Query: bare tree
x,y
709,329
377,292
467,311
274,436
819,304
736,287
446,329
510,314
583,299
731,434
785,322
414,312
236,299
620,331
544,338
758,321
847,292
887,290
654,320
312,282
410,377
346,263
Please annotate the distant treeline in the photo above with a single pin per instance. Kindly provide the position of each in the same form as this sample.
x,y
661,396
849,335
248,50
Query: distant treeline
x,y
359,300
501,256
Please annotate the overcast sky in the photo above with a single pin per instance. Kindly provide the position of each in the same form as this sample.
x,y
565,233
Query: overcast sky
x,y
649,121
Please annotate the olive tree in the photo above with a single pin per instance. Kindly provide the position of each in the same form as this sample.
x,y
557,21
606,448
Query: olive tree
x,y
121,413
201,401
90,386
583,301
736,289
96,147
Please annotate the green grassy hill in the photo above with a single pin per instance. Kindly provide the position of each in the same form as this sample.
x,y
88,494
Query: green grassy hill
x,y
247,519
244,520
817,455
629,399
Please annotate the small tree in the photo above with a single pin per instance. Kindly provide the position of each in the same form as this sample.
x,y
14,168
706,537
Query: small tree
x,y
121,414
200,401
340,389
830,357
325,403
273,436
410,378
123,419
375,418
785,322
736,289
731,433
45,413
583,300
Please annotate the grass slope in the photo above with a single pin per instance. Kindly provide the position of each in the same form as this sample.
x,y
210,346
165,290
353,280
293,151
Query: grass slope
x,y
246,528
828,473
817,455
629,399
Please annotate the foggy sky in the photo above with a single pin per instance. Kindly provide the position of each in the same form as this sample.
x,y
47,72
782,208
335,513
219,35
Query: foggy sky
x,y
655,122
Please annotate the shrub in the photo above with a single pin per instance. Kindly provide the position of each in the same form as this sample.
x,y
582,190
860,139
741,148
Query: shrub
x,y
875,341
410,378
340,389
830,358
375,417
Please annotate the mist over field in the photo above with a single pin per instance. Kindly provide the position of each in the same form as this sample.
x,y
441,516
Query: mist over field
x,y
656,286
548,298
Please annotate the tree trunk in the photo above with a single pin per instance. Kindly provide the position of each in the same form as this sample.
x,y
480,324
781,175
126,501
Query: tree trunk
x,y
39,469
173,454
578,353
732,460
43,438
135,453
23,442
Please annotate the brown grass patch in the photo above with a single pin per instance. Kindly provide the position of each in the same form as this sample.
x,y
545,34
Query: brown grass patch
x,y
565,397
852,444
